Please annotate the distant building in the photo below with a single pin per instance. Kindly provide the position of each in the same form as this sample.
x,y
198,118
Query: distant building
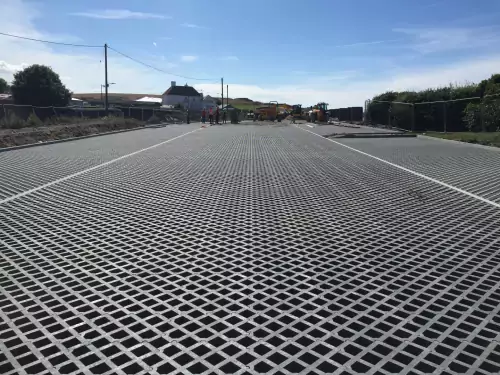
x,y
209,102
75,102
148,99
186,96
227,107
6,99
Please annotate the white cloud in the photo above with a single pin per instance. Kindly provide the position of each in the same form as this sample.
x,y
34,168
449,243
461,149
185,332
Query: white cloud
x,y
10,68
193,26
119,14
230,58
338,76
351,93
366,43
158,61
432,40
82,69
189,58
154,44
466,71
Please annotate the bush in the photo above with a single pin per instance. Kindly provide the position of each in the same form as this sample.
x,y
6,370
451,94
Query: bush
x,y
33,121
154,120
11,121
462,113
472,117
486,114
491,115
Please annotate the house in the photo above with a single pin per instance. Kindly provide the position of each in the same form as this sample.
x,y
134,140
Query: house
x,y
75,102
209,102
6,99
149,100
227,108
185,96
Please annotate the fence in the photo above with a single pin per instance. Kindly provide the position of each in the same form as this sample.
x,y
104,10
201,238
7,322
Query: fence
x,y
468,114
23,112
350,114
146,113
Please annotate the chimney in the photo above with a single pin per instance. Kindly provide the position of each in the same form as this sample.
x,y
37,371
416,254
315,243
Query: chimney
x,y
172,83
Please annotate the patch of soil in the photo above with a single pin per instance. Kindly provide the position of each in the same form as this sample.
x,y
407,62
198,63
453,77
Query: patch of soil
x,y
18,137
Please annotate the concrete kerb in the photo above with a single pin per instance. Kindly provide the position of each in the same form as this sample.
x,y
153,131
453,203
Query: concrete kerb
x,y
491,148
82,137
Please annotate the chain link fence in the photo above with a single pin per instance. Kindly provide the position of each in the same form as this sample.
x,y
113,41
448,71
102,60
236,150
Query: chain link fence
x,y
163,114
461,115
19,113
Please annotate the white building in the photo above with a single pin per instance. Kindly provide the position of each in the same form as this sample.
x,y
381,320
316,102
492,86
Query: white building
x,y
186,96
148,99
75,102
209,102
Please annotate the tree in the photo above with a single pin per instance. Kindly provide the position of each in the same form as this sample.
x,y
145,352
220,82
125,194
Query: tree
x,y
4,86
39,85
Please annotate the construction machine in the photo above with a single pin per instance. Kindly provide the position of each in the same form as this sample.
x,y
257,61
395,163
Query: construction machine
x,y
269,113
297,111
320,112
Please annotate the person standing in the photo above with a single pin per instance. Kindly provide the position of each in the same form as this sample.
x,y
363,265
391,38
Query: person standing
x,y
203,115
210,116
224,117
217,115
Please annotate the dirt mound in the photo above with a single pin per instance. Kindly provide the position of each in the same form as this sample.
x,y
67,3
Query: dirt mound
x,y
11,137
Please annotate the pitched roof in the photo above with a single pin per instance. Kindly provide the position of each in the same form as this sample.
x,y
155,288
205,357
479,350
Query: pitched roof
x,y
182,91
149,99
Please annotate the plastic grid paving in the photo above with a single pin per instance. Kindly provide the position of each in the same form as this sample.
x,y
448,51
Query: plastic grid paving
x,y
249,250
24,169
469,167
334,129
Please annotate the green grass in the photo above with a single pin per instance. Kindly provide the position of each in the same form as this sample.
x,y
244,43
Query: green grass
x,y
488,139
244,106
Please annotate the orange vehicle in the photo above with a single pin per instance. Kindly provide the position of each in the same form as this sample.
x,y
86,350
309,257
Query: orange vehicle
x,y
320,112
269,113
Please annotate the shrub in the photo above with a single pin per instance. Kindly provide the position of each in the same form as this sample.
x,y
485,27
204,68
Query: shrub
x,y
484,116
461,115
33,121
11,121
154,120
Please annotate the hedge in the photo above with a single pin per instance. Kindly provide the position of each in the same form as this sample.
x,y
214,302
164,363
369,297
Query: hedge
x,y
471,107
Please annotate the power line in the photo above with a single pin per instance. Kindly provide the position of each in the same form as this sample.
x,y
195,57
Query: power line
x,y
160,70
93,46
51,42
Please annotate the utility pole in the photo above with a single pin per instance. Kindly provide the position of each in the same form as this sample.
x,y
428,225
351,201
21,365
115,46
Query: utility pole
x,y
227,95
106,103
222,86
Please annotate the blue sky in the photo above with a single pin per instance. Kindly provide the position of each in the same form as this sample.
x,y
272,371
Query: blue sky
x,y
302,51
